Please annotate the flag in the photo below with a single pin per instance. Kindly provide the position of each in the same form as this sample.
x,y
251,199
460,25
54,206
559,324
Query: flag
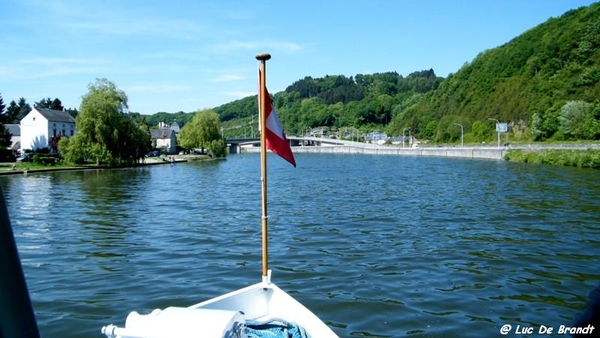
x,y
276,140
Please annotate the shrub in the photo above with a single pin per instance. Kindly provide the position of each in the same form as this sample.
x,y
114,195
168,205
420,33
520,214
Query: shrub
x,y
589,158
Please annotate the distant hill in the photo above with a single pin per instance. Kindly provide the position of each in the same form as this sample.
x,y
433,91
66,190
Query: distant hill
x,y
545,83
364,101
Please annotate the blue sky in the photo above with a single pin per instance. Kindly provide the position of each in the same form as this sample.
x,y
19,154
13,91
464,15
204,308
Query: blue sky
x,y
189,55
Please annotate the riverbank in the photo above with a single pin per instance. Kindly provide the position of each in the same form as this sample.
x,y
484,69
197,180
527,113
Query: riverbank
x,y
30,168
492,153
580,158
575,155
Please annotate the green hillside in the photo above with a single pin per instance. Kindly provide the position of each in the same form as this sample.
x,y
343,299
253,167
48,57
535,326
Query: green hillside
x,y
544,83
527,82
364,102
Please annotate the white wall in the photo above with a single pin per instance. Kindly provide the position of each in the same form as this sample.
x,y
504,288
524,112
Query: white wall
x,y
34,131
169,144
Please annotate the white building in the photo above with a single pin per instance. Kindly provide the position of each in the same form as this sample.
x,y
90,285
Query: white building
x,y
43,127
164,139
15,131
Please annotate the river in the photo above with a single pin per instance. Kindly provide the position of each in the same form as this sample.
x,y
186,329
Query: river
x,y
376,246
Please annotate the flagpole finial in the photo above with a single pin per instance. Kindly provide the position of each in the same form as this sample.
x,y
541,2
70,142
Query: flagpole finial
x,y
263,56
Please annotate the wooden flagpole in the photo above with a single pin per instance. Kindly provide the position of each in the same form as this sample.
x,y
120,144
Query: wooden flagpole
x,y
263,57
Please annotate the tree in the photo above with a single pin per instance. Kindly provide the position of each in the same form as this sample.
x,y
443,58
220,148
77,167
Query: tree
x,y
12,112
578,121
72,111
5,135
24,109
429,131
105,132
49,104
480,131
56,105
43,103
545,125
203,132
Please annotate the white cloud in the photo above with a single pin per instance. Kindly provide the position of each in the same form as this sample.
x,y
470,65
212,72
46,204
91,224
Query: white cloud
x,y
229,78
178,29
110,18
267,44
157,88
49,61
42,67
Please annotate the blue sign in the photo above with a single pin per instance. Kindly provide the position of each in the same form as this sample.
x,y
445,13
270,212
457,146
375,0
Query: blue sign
x,y
502,127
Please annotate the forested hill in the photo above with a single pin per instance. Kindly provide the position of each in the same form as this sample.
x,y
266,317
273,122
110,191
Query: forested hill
x,y
339,101
545,83
526,82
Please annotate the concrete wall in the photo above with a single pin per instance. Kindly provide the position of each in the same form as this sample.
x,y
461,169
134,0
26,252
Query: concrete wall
x,y
493,153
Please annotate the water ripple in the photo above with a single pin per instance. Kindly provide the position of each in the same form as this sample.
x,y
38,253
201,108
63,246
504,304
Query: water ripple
x,y
377,246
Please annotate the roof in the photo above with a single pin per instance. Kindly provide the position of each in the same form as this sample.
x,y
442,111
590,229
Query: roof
x,y
175,127
161,133
56,115
14,129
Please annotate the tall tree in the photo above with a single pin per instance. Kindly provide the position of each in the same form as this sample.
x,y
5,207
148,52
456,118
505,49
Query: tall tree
x,y
48,103
43,103
24,109
105,132
578,121
12,112
72,111
56,105
203,132
2,105
5,135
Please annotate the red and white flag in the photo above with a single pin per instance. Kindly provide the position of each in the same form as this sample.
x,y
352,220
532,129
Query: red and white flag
x,y
276,140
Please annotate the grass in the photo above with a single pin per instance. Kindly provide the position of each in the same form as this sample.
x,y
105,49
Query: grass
x,y
23,166
10,167
589,158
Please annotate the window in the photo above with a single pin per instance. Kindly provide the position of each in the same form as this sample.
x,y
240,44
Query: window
x,y
54,132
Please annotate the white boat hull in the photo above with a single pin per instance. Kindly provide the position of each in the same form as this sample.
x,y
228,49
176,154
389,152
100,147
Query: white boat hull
x,y
223,316
264,301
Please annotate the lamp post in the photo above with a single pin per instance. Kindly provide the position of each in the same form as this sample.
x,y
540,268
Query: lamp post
x,y
497,123
404,132
462,135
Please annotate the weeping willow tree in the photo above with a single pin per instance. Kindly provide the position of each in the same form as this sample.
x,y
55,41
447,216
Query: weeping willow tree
x,y
106,134
204,132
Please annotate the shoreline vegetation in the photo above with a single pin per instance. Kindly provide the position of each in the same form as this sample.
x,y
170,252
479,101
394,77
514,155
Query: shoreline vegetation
x,y
13,168
580,158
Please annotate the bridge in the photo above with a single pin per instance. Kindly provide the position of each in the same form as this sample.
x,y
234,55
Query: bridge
x,y
236,144
335,146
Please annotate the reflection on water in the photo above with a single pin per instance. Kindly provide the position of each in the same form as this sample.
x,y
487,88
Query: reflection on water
x,y
377,246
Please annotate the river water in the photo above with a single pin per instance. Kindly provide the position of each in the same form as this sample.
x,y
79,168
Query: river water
x,y
376,246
